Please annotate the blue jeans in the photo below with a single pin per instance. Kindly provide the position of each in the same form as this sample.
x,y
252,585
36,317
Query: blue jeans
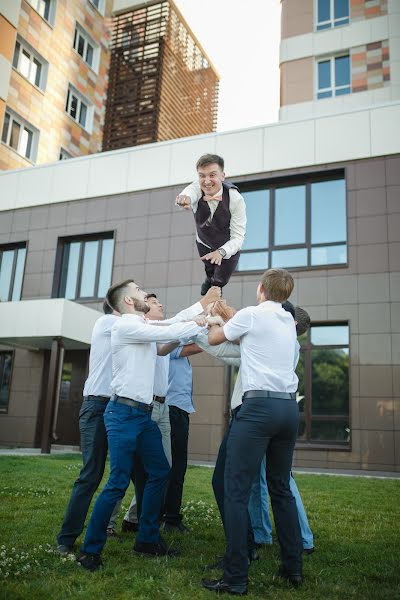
x,y
259,513
94,453
129,431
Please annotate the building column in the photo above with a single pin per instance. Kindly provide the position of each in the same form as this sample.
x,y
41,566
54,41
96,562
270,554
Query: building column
x,y
52,393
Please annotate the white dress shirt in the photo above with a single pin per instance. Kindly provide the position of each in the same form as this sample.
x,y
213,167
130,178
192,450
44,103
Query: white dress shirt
x,y
98,382
134,353
237,208
161,376
267,347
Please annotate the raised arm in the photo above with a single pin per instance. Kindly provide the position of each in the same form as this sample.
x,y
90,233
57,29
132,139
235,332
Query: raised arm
x,y
189,197
140,331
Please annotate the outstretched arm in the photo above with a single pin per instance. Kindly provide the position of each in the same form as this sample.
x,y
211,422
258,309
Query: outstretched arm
x,y
189,197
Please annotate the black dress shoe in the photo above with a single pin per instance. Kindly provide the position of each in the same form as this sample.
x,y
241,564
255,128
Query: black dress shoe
x,y
171,527
127,526
90,562
63,549
295,579
219,585
253,555
205,286
308,550
154,549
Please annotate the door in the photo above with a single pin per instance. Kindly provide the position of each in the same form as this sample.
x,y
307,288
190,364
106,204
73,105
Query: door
x,y
73,376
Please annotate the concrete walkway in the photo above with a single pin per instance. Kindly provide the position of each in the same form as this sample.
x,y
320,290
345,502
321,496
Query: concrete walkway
x,y
60,450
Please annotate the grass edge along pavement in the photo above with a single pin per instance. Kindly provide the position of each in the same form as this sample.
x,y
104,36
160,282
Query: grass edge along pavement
x,y
355,522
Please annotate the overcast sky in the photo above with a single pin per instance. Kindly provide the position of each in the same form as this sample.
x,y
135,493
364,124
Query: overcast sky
x,y
241,37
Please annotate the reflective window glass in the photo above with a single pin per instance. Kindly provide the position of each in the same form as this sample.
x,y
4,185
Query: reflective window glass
x,y
19,273
290,215
105,267
330,335
324,74
253,261
289,258
6,269
324,10
328,211
341,8
5,379
88,277
71,252
342,71
257,210
329,255
332,431
330,381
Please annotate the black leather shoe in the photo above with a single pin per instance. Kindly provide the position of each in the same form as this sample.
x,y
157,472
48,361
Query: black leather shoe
x,y
308,550
90,562
171,527
127,526
295,579
219,585
253,555
154,549
205,286
63,549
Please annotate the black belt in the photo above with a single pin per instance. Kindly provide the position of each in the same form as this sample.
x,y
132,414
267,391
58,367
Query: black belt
x,y
265,394
103,398
133,403
159,399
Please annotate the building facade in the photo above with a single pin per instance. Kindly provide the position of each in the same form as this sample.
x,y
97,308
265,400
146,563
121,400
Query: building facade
x,y
60,58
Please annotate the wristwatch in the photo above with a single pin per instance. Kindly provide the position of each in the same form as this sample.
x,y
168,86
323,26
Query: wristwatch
x,y
222,252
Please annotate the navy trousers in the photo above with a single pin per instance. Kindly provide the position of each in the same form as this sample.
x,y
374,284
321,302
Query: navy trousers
x,y
263,425
94,454
129,430
218,274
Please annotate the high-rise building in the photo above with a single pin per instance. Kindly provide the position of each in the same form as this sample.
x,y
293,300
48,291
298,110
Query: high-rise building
x,y
55,68
54,73
162,84
338,55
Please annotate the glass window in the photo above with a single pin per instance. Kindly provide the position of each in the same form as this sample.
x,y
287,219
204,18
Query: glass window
x,y
334,77
77,108
84,45
290,215
6,360
29,63
323,372
257,210
86,267
328,211
12,264
308,226
43,7
332,13
18,135
64,155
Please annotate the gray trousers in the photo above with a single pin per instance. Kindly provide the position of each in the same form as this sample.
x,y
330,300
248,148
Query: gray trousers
x,y
160,415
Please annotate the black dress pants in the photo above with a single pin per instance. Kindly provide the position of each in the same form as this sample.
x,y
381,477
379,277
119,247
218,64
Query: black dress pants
x,y
218,274
218,484
179,420
262,425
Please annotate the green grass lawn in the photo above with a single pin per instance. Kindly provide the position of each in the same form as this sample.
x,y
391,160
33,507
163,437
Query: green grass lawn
x,y
355,522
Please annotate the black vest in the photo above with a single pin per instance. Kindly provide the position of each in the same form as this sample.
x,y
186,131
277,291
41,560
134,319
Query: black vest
x,y
214,233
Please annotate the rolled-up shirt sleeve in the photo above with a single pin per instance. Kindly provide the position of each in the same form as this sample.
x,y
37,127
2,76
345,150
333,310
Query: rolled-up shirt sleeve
x,y
239,325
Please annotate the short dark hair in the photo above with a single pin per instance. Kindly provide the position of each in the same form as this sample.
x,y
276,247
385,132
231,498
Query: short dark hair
x,y
152,295
210,159
289,307
115,294
107,310
303,320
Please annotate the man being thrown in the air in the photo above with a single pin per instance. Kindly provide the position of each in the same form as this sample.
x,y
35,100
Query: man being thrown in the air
x,y
220,217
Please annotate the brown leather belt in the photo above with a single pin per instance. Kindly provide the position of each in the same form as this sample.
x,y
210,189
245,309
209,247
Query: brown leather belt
x,y
159,399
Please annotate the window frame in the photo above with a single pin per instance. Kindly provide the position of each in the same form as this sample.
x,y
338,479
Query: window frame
x,y
87,41
32,55
64,154
307,181
333,88
100,7
57,291
23,125
306,415
4,411
81,100
50,19
332,22
14,246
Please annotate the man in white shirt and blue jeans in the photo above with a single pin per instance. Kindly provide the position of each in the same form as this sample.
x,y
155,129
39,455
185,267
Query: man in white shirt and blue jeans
x,y
128,422
267,422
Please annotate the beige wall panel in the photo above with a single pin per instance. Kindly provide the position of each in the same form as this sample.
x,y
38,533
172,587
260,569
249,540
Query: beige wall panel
x,y
297,78
297,17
